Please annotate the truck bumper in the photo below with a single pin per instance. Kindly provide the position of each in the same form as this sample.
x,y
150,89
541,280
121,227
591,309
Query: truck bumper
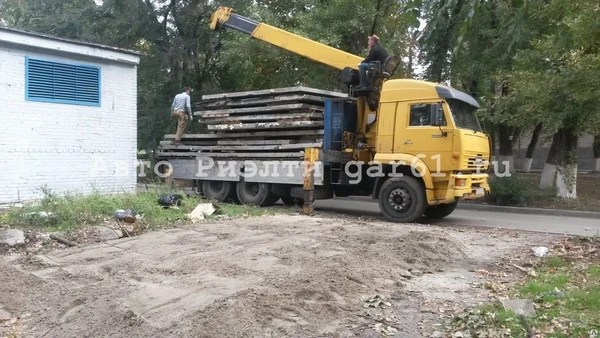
x,y
468,186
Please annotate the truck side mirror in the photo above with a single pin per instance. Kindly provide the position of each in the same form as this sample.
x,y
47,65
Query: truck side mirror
x,y
437,115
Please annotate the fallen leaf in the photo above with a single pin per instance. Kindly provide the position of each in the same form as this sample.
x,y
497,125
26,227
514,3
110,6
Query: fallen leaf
x,y
377,301
385,330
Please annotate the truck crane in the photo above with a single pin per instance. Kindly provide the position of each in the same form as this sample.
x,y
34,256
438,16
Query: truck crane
x,y
420,145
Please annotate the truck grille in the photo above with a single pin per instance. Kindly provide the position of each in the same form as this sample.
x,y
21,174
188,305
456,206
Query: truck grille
x,y
476,161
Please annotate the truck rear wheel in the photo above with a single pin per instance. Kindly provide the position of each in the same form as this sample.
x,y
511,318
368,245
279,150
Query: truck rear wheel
x,y
253,193
441,210
198,189
402,199
221,191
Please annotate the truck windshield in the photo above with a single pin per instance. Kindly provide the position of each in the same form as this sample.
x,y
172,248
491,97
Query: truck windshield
x,y
464,115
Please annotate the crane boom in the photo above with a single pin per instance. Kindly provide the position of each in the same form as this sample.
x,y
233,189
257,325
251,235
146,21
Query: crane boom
x,y
225,17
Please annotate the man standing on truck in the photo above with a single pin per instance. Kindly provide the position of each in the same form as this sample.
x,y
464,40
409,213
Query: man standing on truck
x,y
376,53
181,105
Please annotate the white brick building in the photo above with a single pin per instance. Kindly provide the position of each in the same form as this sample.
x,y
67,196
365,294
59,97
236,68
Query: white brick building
x,y
68,116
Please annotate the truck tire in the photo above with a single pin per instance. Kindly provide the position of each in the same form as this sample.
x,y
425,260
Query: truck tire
x,y
258,194
402,199
441,210
198,190
221,191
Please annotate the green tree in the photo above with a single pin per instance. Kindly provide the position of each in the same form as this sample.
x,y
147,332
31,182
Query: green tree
x,y
469,45
557,83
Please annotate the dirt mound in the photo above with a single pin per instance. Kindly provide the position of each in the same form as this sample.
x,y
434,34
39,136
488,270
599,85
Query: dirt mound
x,y
278,276
429,249
326,279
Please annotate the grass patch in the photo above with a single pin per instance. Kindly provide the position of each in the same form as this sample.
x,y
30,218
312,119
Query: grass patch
x,y
594,272
566,294
239,210
490,320
586,299
545,284
545,289
555,262
71,211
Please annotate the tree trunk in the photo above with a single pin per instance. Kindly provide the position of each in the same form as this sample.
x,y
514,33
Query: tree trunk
x,y
596,148
562,164
531,148
410,55
374,26
548,176
440,62
506,138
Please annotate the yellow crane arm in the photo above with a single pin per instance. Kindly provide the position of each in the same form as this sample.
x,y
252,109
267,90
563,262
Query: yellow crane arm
x,y
225,17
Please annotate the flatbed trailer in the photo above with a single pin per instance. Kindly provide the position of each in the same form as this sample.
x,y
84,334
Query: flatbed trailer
x,y
295,144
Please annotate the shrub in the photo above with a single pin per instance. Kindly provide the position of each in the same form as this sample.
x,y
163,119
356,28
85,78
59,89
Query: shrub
x,y
509,191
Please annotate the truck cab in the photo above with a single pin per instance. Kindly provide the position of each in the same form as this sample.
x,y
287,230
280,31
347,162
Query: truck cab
x,y
419,152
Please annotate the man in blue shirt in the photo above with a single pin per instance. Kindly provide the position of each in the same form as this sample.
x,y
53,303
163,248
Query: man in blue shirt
x,y
181,105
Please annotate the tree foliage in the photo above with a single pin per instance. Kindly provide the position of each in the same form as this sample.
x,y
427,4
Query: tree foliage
x,y
528,62
176,41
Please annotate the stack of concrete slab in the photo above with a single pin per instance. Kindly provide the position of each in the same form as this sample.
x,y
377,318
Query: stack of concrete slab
x,y
274,123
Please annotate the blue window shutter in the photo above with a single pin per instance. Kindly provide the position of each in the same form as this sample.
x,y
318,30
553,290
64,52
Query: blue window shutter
x,y
56,82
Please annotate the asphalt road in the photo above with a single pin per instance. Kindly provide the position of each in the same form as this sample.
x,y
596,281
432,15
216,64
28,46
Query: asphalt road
x,y
465,217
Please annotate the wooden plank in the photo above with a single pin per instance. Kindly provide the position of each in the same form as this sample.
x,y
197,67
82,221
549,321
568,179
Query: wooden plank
x,y
261,118
279,133
293,146
210,114
251,142
222,114
164,154
267,100
254,110
193,143
286,90
266,125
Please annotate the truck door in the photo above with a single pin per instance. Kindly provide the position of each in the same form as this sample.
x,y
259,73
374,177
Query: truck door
x,y
386,126
415,135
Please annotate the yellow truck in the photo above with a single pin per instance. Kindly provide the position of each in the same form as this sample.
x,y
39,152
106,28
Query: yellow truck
x,y
415,146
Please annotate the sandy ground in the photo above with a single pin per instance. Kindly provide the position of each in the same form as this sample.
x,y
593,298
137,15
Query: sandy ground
x,y
275,276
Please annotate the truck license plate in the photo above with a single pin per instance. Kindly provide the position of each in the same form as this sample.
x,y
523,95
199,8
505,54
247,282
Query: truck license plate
x,y
479,191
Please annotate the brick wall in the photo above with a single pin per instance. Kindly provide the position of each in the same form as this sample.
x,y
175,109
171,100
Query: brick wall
x,y
60,145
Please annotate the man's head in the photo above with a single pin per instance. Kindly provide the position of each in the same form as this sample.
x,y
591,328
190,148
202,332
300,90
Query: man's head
x,y
187,90
373,39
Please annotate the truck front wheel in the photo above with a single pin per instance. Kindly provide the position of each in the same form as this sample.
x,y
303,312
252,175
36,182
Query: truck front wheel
x,y
253,193
441,210
402,199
